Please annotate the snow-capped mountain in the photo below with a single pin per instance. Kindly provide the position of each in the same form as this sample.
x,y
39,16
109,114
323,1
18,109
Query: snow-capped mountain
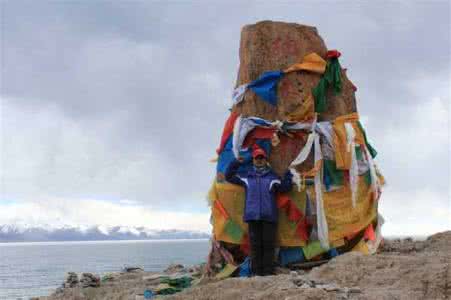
x,y
27,233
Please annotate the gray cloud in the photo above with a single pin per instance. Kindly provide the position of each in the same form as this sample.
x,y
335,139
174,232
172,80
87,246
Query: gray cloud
x,y
128,99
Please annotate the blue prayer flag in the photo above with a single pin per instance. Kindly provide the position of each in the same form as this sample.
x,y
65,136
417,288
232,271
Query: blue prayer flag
x,y
266,86
227,156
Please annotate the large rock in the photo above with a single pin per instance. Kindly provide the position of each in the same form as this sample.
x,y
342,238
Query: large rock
x,y
71,280
269,46
89,280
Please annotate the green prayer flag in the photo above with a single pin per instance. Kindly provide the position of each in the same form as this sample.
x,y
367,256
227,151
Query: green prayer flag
x,y
367,177
233,230
358,153
335,175
181,282
313,249
166,289
226,272
330,78
372,151
334,78
319,93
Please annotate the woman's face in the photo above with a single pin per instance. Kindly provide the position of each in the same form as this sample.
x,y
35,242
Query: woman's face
x,y
259,161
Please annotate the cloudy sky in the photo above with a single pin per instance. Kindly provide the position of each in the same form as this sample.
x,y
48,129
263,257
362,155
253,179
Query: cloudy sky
x,y
110,111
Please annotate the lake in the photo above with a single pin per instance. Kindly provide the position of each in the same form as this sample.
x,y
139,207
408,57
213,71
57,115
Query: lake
x,y
36,269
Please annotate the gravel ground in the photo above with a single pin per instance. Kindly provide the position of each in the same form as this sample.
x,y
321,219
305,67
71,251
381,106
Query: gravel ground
x,y
404,269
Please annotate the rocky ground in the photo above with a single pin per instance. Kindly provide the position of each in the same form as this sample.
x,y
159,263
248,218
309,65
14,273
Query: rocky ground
x,y
404,269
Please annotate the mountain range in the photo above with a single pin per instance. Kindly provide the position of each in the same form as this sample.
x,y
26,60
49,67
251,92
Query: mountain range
x,y
24,233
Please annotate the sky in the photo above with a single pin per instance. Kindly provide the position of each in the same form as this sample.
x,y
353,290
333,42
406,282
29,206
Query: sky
x,y
111,111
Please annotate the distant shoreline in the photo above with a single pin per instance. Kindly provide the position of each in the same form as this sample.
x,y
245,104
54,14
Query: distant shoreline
x,y
25,243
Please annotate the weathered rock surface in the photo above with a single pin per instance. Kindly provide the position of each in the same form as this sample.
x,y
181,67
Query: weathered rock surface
x,y
270,46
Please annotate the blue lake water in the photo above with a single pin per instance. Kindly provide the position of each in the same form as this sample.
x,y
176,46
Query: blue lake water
x,y
36,269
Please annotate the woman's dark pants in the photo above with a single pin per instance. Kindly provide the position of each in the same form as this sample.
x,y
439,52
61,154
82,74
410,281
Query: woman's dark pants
x,y
262,236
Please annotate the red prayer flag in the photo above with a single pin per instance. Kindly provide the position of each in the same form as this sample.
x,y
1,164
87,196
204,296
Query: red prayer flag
x,y
258,133
291,210
245,246
221,209
294,214
333,54
227,131
369,233
301,229
282,200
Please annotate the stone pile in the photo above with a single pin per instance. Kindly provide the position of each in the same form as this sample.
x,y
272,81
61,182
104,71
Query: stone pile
x,y
89,280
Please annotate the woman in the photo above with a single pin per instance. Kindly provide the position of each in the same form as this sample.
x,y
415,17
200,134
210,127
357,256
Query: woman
x,y
260,211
